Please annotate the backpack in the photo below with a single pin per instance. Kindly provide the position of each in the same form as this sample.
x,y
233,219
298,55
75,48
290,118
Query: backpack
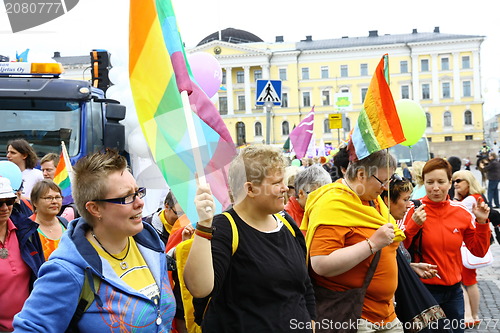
x,y
195,308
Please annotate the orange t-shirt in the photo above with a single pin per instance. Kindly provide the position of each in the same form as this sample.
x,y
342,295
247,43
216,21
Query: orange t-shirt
x,y
378,306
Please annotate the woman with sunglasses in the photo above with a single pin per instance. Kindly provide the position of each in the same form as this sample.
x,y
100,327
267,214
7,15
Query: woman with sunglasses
x,y
110,248
21,256
470,193
444,226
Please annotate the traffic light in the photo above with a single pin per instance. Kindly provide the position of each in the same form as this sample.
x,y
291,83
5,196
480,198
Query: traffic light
x,y
100,63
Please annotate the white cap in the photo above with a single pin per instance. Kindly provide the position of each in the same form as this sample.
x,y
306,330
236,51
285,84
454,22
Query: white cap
x,y
6,190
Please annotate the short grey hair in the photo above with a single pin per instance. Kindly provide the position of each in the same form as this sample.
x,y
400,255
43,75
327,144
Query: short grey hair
x,y
371,163
311,178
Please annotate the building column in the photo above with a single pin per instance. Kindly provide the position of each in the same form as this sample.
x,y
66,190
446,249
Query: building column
x,y
414,78
435,78
266,74
248,91
229,88
476,76
456,77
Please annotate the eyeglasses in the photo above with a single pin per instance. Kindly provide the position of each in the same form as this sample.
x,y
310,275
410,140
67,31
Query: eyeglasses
x,y
141,193
50,199
394,178
458,180
8,201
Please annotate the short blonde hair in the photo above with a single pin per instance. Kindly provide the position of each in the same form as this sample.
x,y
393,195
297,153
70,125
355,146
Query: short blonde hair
x,y
253,164
416,172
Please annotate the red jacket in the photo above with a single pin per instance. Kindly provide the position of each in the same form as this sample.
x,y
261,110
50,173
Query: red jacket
x,y
294,209
448,224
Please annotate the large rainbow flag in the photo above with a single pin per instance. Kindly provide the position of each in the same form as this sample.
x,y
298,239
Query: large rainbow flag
x,y
62,179
159,71
378,125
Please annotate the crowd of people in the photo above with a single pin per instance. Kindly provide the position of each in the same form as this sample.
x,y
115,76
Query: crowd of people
x,y
300,249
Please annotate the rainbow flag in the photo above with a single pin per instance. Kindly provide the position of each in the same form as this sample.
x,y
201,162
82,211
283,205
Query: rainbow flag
x,y
378,125
159,71
62,179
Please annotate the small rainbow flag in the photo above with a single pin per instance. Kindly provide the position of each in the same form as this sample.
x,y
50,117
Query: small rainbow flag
x,y
378,125
159,75
62,179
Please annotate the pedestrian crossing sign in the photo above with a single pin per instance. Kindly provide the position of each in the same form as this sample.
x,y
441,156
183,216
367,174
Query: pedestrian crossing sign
x,y
268,91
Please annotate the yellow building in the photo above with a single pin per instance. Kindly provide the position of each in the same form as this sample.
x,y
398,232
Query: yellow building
x,y
440,71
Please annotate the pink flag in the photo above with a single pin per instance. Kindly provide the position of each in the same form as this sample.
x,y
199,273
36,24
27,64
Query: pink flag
x,y
302,134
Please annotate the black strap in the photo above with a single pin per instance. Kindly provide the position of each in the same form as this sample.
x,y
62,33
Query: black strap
x,y
371,270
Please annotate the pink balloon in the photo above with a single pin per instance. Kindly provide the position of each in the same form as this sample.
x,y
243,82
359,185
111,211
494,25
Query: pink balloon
x,y
207,72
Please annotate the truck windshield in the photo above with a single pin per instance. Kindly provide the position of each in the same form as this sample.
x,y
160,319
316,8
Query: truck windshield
x,y
418,152
43,123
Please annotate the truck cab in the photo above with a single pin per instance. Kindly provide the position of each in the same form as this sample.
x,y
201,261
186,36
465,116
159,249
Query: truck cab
x,y
37,105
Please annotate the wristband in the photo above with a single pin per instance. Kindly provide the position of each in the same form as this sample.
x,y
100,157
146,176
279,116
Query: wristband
x,y
203,234
209,230
370,245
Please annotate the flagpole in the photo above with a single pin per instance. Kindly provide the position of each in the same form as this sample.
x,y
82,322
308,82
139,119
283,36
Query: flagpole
x,y
200,172
69,167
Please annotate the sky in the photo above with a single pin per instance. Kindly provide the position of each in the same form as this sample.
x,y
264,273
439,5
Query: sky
x,y
104,24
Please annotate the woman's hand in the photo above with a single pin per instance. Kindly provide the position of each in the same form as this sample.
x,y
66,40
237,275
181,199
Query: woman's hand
x,y
481,211
424,270
383,236
187,232
419,216
202,201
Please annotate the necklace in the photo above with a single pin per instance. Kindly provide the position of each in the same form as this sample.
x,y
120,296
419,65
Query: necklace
x,y
123,263
4,252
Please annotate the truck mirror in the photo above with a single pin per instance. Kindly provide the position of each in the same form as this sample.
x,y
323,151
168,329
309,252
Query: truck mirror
x,y
114,132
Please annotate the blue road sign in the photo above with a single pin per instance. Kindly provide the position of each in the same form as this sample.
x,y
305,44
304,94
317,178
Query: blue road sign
x,y
268,91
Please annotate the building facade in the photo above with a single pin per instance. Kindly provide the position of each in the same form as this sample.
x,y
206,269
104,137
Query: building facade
x,y
440,71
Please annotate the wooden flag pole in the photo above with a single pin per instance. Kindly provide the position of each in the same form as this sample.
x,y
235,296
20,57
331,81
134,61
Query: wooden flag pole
x,y
193,138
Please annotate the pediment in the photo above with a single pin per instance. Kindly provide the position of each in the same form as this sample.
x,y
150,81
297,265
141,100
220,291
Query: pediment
x,y
223,49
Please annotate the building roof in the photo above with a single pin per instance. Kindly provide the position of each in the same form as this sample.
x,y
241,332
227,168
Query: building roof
x,y
72,60
232,35
375,39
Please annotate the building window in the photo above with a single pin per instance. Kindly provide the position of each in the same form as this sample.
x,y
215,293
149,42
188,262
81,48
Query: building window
x,y
403,66
326,126
241,102
285,128
405,92
305,73
468,117
465,62
258,128
324,72
428,116
223,104
282,74
447,119
469,137
466,89
429,139
284,100
240,133
426,91
343,71
325,96
424,65
257,74
240,77
445,64
224,73
363,94
363,68
448,138
347,125
446,90
306,98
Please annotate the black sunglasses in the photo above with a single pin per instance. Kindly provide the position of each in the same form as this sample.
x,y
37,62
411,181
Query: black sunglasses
x,y
128,199
458,180
8,201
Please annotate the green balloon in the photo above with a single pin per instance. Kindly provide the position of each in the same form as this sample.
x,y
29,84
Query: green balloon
x,y
296,162
413,120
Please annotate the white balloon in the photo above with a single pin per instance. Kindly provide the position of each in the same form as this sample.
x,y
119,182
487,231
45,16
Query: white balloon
x,y
137,144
